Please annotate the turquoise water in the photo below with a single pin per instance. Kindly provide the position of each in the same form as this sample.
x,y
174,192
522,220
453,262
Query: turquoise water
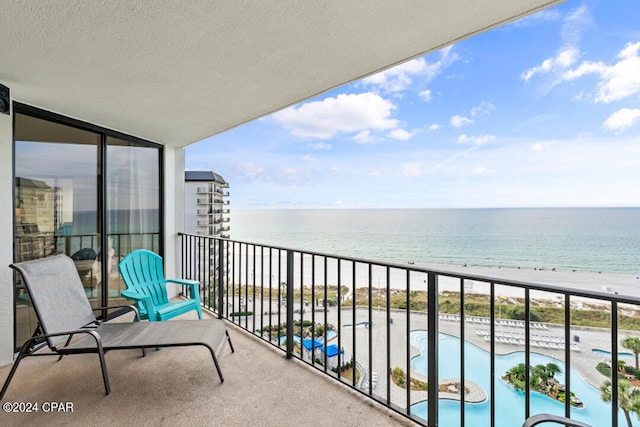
x,y
608,353
509,403
587,239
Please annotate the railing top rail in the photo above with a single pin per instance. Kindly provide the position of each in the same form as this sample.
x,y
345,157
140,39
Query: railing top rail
x,y
585,293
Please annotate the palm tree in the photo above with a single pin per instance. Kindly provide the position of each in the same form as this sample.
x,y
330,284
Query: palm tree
x,y
628,398
552,369
516,376
633,344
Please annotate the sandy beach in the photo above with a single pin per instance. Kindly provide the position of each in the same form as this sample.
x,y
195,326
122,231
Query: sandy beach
x,y
311,270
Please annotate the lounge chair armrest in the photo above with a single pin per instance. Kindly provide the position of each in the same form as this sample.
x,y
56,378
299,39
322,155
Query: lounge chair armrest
x,y
131,307
42,337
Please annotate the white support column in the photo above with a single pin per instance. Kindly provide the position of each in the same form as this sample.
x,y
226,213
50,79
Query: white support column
x,y
173,208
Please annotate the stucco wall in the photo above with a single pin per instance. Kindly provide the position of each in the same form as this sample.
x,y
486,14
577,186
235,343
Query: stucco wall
x,y
6,239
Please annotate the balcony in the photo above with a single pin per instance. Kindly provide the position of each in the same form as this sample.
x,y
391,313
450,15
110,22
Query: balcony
x,y
179,386
394,324
203,190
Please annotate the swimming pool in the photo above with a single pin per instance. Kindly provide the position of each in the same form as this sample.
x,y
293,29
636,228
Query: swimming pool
x,y
608,353
509,403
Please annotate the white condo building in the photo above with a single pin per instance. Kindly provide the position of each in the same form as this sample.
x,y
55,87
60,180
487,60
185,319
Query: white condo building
x,y
206,209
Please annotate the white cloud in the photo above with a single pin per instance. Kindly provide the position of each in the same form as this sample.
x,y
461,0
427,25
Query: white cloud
x,y
426,95
320,146
622,119
363,137
309,158
481,170
411,170
401,77
538,146
561,61
459,121
435,126
346,113
400,134
485,108
475,140
375,172
569,51
617,81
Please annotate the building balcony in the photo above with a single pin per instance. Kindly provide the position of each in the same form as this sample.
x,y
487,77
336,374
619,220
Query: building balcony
x,y
203,190
395,324
180,386
203,201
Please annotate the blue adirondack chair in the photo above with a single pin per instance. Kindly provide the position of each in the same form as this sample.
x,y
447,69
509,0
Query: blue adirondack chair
x,y
142,272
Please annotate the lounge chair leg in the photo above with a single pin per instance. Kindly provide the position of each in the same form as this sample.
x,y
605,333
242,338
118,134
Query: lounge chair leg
x,y
103,366
14,368
230,343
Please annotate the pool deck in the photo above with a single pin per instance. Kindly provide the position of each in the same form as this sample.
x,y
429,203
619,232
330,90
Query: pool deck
x,y
583,361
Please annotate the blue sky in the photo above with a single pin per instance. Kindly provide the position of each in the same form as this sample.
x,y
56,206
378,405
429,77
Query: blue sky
x,y
542,112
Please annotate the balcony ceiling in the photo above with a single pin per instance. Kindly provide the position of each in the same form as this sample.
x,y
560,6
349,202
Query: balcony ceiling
x,y
175,72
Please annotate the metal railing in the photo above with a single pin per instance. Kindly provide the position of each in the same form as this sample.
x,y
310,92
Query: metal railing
x,y
365,323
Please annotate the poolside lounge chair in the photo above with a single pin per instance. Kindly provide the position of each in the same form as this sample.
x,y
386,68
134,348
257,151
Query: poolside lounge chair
x,y
548,418
68,326
142,272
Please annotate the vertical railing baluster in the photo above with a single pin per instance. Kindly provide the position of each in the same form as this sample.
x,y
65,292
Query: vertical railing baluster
x,y
527,358
289,306
567,355
313,309
432,338
388,326
326,325
233,277
492,351
301,302
407,334
339,317
271,294
462,358
614,363
221,275
353,322
370,330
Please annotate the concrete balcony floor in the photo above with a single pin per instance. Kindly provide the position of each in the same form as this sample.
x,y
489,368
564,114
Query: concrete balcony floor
x,y
180,387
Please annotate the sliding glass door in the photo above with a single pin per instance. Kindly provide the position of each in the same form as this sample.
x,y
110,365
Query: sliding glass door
x,y
133,201
85,192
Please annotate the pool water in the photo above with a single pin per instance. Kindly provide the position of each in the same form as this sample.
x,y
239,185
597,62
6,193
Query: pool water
x,y
608,353
509,403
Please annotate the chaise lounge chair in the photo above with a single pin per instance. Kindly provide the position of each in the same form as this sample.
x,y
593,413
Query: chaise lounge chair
x,y
68,326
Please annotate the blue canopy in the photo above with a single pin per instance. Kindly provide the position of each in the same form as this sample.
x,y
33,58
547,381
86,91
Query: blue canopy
x,y
332,350
309,343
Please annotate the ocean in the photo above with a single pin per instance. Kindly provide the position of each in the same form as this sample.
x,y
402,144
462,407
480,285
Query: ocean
x,y
581,239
